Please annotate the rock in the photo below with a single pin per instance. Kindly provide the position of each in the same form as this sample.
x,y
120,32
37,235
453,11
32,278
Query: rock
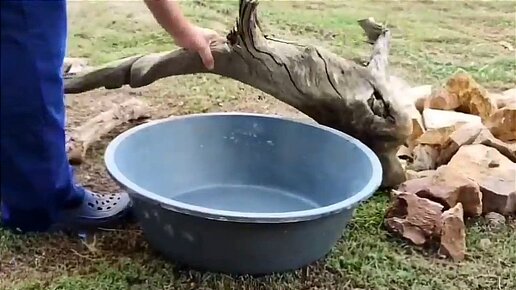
x,y
473,98
426,173
463,135
510,96
448,187
414,218
408,104
486,138
502,123
418,95
493,172
435,119
442,100
425,157
495,219
417,125
412,174
505,98
438,137
473,133
453,234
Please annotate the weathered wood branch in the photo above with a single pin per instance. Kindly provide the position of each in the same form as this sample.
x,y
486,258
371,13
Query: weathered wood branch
x,y
81,138
335,92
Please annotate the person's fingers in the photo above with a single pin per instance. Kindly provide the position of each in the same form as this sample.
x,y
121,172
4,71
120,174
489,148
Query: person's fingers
x,y
207,57
210,35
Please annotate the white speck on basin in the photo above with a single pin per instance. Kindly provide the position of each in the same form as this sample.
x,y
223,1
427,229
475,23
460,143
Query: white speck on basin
x,y
187,236
155,214
170,230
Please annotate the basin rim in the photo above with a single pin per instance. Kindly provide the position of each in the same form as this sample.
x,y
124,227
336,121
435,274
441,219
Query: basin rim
x,y
236,216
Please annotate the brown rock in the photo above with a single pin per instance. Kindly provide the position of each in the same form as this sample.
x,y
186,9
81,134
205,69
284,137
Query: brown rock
x,y
473,98
426,173
453,234
494,173
418,95
425,157
417,125
412,174
442,100
473,133
502,123
408,103
438,137
486,138
464,135
435,119
414,218
448,187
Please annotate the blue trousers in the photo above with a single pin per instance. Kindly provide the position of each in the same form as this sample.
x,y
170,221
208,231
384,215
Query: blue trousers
x,y
36,178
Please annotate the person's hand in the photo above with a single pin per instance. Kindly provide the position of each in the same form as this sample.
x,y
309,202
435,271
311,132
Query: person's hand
x,y
198,39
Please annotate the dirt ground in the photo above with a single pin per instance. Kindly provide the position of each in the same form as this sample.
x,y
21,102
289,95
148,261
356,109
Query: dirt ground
x,y
431,40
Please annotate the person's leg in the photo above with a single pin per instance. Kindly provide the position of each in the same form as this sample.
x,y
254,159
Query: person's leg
x,y
37,185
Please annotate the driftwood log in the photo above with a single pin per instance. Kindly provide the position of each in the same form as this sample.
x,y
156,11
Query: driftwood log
x,y
80,138
352,97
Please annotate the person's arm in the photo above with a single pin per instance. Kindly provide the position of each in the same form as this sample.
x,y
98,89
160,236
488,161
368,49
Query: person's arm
x,y
169,15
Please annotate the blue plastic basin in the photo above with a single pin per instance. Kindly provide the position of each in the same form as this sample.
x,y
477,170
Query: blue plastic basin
x,y
242,193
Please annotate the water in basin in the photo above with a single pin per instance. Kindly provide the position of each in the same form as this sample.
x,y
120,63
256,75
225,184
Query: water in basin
x,y
246,198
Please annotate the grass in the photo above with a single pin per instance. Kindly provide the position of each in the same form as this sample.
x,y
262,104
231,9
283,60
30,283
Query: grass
x,y
432,39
